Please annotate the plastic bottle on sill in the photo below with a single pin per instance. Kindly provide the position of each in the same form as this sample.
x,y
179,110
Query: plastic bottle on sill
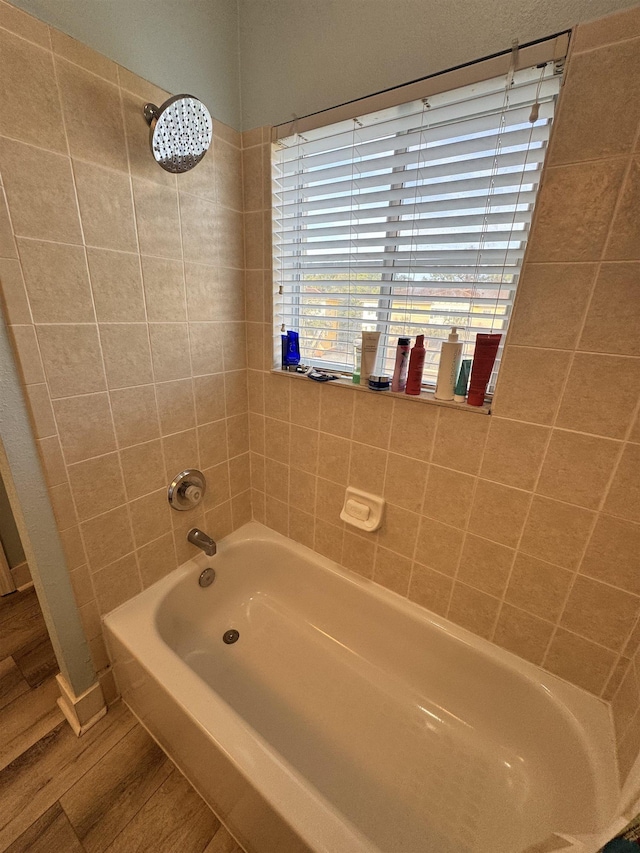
x,y
416,366
399,381
450,358
357,363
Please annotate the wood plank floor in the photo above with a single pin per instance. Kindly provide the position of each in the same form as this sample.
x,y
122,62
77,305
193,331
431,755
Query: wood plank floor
x,y
111,791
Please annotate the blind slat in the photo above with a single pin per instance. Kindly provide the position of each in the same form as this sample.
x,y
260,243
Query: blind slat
x,y
467,151
418,224
466,204
419,193
420,172
412,242
326,285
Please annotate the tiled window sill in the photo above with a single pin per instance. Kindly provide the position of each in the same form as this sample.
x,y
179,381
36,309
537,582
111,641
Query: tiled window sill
x,y
425,396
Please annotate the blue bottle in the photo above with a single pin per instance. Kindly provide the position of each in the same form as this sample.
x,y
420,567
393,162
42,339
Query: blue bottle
x,y
290,349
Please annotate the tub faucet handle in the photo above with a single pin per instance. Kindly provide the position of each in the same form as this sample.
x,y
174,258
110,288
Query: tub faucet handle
x,y
202,541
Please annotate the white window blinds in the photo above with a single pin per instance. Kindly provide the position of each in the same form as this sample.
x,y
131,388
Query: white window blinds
x,y
410,220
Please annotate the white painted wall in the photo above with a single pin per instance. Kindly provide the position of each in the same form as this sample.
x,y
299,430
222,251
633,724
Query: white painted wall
x,y
180,45
301,56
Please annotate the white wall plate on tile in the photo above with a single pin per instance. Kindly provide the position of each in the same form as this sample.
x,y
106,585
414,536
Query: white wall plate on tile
x,y
362,510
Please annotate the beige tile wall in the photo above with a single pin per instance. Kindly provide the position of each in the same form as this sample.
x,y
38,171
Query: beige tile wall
x,y
123,287
523,526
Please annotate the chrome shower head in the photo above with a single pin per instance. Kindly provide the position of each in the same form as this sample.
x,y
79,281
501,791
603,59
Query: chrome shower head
x,y
181,131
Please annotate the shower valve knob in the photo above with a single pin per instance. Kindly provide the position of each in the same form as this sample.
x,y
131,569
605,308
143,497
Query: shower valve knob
x,y
187,489
193,494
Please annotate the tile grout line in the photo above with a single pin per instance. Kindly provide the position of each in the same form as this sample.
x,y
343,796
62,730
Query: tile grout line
x,y
148,339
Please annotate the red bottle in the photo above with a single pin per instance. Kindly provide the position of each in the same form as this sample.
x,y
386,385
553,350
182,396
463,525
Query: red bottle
x,y
484,357
416,366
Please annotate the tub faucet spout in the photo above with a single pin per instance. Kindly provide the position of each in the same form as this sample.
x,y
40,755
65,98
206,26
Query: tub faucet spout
x,y
202,541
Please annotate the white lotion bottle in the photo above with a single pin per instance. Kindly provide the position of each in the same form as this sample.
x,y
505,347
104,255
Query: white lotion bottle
x,y
450,358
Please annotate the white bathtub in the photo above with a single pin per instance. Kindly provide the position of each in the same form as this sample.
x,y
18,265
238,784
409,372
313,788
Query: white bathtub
x,y
346,719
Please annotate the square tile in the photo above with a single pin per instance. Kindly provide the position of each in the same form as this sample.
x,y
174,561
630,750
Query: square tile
x,y
579,661
617,27
597,119
367,468
209,398
514,452
26,348
106,207
143,469
212,439
164,290
550,305
448,496
57,282
574,210
430,589
135,414
556,532
473,609
181,452
577,468
235,389
336,410
40,193
40,410
99,139
538,587
601,394
614,311
157,219
392,571
96,485
459,440
399,530
127,357
624,494
405,482
206,348
85,427
13,292
499,512
29,104
523,634
305,404
170,351
372,419
78,53
624,237
200,224
117,286
530,384
107,538
117,583
439,546
150,517
600,613
72,359
612,553
485,565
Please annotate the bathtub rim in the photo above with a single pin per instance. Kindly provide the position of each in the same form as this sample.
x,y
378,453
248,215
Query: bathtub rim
x,y
583,710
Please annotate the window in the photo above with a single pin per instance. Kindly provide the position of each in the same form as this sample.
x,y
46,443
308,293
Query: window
x,y
410,220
